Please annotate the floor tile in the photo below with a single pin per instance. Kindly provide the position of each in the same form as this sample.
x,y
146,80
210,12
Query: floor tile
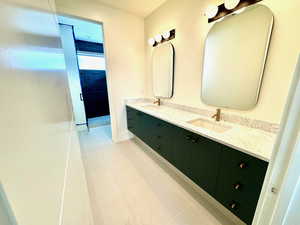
x,y
130,186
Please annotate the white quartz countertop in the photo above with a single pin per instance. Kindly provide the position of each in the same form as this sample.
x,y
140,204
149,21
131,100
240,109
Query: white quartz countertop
x,y
255,142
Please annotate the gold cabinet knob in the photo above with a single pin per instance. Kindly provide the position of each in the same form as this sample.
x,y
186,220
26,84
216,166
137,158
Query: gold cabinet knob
x,y
242,165
233,205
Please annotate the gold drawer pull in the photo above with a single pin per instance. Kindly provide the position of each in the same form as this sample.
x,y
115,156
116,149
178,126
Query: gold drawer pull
x,y
237,186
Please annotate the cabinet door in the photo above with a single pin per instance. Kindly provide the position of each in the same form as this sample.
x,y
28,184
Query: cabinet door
x,y
147,124
198,158
240,181
137,122
151,131
165,140
131,119
204,163
181,149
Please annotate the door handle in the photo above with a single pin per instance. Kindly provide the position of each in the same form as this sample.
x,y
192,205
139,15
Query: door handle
x,y
81,98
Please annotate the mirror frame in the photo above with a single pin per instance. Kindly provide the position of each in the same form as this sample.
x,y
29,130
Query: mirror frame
x,y
173,71
266,51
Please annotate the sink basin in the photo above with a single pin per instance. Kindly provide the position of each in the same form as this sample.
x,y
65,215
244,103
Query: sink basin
x,y
155,107
210,125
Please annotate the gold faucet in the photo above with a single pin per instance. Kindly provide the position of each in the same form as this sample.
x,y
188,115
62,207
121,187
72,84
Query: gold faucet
x,y
157,101
217,115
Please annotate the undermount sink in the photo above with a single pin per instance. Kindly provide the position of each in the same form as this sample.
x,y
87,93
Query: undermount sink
x,y
210,125
151,107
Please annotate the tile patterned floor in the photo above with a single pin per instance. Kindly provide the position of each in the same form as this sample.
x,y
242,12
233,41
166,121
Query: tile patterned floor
x,y
130,186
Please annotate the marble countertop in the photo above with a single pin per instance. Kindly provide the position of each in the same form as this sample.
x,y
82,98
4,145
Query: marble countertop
x,y
255,142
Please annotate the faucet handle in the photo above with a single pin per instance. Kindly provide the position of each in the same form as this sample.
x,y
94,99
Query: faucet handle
x,y
217,115
157,101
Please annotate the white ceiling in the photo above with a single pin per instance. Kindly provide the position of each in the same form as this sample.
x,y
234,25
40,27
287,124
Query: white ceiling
x,y
93,32
139,7
84,30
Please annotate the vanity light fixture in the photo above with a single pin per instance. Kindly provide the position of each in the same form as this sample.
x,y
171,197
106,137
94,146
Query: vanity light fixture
x,y
211,11
158,38
151,41
227,8
240,10
231,4
161,38
166,35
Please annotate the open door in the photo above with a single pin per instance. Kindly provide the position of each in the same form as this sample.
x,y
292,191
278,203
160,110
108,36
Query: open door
x,y
68,45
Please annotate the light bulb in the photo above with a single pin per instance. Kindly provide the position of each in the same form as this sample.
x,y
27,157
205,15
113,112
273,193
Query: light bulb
x,y
231,4
166,34
158,38
211,11
151,41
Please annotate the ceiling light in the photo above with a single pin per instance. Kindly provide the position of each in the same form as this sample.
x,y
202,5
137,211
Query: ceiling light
x,y
211,11
231,4
151,41
158,38
166,34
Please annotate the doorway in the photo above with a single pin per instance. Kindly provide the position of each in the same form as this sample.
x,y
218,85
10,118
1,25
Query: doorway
x,y
83,46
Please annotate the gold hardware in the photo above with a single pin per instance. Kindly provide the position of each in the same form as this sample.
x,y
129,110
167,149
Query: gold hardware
x,y
242,165
237,186
217,116
233,205
157,101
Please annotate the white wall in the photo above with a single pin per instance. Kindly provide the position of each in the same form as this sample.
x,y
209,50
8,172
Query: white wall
x,y
191,29
36,128
124,50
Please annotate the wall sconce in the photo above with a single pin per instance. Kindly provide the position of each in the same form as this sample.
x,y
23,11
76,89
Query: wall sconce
x,y
211,11
231,4
160,38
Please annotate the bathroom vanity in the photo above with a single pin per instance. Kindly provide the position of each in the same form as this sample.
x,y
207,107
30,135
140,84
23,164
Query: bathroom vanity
x,y
227,161
232,177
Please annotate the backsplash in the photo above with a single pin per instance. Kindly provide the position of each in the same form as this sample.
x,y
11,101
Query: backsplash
x,y
231,118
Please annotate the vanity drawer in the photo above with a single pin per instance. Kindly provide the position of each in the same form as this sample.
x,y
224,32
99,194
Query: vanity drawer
x,y
243,210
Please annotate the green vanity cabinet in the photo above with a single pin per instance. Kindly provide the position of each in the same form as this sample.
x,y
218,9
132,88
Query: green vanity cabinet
x,y
233,178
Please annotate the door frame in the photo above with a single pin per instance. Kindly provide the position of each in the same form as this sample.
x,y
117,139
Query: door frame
x,y
282,179
112,110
